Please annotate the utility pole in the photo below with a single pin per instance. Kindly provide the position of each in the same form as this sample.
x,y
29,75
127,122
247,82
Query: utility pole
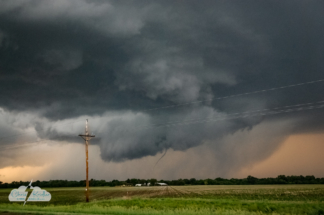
x,y
86,138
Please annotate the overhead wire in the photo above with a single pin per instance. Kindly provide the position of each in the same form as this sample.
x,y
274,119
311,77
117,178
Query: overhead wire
x,y
240,116
19,145
218,98
26,133
230,114
30,143
272,111
236,95
16,135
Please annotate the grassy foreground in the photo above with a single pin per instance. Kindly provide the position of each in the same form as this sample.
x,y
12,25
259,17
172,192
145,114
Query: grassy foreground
x,y
247,199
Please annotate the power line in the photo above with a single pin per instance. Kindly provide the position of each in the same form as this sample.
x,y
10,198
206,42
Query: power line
x,y
22,145
237,95
253,111
27,132
239,116
194,102
25,144
261,112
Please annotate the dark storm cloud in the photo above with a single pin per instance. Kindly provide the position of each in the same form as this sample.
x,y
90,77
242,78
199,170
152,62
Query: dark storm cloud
x,y
110,60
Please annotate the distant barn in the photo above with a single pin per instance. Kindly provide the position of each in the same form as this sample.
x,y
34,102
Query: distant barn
x,y
138,185
162,184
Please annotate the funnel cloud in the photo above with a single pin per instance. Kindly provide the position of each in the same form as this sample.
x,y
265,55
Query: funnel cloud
x,y
136,70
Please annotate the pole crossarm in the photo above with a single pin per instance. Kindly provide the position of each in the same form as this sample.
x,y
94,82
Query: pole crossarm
x,y
86,136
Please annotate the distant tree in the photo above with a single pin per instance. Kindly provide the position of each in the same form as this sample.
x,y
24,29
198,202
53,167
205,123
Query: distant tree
x,y
186,181
193,181
153,181
322,180
282,177
210,181
115,183
134,181
142,181
181,182
310,178
200,182
251,179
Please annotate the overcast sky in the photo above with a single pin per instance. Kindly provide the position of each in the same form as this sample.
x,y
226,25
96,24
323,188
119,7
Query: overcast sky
x,y
149,76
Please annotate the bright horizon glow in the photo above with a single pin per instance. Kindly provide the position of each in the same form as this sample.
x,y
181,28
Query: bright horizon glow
x,y
298,155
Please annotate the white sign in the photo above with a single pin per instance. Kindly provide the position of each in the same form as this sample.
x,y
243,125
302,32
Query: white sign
x,y
38,194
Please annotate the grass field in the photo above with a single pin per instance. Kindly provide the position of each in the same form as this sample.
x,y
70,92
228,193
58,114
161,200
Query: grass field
x,y
214,199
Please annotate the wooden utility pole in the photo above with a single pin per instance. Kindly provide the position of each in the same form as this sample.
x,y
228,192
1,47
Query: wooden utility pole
x,y
87,138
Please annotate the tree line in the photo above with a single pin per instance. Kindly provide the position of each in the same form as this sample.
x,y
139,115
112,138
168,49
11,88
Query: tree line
x,y
250,180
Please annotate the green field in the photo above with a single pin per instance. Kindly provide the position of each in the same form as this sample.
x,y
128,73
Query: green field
x,y
213,199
